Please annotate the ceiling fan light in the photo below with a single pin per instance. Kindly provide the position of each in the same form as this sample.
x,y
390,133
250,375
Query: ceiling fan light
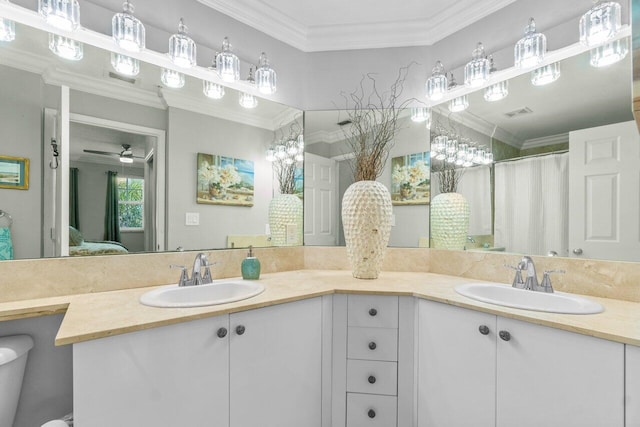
x,y
7,30
65,47
61,14
127,30
126,159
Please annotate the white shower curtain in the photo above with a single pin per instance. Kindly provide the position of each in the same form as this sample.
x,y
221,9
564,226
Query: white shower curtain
x,y
475,186
532,205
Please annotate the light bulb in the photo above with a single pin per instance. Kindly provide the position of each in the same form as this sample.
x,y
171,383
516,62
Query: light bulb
x,y
126,159
127,30
227,64
182,48
420,114
247,100
265,76
212,90
125,65
476,72
172,79
65,47
62,14
529,50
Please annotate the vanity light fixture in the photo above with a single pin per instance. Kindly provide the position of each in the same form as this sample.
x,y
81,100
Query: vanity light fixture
x,y
459,104
172,79
247,100
182,48
7,30
212,90
227,63
545,75
529,50
65,47
476,72
601,23
609,53
125,64
265,76
420,114
497,91
127,30
62,14
437,84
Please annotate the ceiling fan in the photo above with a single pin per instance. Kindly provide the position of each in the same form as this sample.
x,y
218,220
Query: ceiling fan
x,y
126,155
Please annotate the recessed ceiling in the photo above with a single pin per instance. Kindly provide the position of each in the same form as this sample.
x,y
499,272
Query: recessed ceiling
x,y
357,24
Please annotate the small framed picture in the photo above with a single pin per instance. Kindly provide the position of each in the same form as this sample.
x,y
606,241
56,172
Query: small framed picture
x,y
14,173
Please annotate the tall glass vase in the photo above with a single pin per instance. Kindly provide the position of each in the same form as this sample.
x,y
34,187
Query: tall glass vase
x,y
449,221
366,218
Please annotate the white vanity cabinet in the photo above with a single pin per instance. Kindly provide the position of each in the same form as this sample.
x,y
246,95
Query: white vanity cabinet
x,y
632,385
483,370
256,368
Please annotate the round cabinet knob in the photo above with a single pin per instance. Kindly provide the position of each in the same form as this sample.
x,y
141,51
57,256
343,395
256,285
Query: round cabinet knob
x,y
484,329
372,345
240,329
222,332
504,335
371,413
373,312
577,251
372,379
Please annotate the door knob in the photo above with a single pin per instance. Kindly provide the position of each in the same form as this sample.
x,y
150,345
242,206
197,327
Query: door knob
x,y
240,329
505,336
577,251
372,345
372,379
484,329
222,332
373,312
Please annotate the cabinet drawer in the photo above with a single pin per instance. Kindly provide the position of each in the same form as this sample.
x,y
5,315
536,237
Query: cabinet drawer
x,y
373,311
370,410
372,344
364,376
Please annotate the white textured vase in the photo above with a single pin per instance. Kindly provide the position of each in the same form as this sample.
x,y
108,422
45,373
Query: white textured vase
x,y
366,219
449,221
285,220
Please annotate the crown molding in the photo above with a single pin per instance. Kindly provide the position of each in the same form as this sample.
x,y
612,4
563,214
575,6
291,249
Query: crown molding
x,y
324,136
314,38
546,140
176,99
479,125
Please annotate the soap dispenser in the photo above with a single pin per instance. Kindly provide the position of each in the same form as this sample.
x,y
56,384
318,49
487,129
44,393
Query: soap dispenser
x,y
250,266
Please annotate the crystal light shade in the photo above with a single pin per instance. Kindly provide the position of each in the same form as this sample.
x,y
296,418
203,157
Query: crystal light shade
x,y
228,64
182,48
437,84
247,100
125,64
459,104
271,155
265,76
127,30
65,47
7,30
420,114
172,79
497,91
212,90
530,49
601,23
476,72
62,14
545,75
609,53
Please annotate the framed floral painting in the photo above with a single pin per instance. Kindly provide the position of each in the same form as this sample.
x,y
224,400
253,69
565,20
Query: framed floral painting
x,y
224,180
410,179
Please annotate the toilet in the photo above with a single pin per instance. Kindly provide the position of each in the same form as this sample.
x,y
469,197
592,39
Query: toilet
x,y
13,359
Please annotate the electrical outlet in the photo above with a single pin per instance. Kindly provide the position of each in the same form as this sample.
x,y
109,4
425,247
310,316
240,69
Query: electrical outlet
x,y
192,218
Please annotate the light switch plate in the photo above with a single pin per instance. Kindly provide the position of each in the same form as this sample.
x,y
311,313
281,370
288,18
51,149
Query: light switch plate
x,y
393,220
192,218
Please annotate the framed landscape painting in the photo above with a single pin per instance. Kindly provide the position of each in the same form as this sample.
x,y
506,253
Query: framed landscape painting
x,y
224,180
410,179
14,172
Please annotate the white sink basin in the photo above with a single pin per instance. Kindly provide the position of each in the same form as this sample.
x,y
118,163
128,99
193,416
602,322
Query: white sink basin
x,y
557,302
218,292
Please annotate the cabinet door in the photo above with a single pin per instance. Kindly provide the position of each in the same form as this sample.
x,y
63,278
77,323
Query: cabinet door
x,y
553,378
175,375
275,366
456,366
632,385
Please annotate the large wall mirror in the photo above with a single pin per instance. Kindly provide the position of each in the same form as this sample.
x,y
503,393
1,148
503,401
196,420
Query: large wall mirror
x,y
182,146
564,181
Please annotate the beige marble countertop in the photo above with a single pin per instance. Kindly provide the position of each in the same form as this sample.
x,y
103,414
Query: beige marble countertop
x,y
97,315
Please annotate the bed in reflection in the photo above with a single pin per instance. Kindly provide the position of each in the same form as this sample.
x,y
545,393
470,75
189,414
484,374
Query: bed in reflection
x,y
80,247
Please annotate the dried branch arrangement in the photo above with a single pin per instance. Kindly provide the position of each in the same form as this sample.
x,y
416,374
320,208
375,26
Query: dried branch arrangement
x,y
284,165
449,176
374,123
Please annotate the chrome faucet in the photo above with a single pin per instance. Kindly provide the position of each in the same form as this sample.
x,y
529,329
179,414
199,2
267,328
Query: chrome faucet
x,y
197,276
531,282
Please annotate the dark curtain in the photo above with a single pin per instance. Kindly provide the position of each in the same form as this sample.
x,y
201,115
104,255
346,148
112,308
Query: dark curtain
x,y
74,213
112,216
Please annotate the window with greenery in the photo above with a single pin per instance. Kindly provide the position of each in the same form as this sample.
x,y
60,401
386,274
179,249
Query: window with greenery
x,y
131,203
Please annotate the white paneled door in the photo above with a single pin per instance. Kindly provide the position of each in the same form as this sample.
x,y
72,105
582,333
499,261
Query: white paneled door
x,y
320,201
604,192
